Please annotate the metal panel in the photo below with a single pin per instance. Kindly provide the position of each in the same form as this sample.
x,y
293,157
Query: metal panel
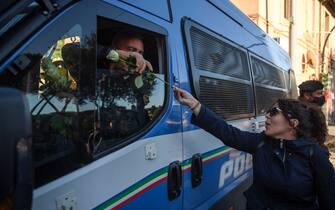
x,y
265,98
226,98
214,55
267,74
220,72
158,8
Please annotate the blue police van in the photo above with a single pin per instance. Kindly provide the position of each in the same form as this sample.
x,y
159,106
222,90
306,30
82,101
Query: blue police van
x,y
76,134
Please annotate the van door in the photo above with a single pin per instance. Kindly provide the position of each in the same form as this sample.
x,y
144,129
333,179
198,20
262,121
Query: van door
x,y
216,175
103,138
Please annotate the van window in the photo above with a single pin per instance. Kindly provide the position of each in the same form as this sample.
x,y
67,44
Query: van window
x,y
220,72
55,74
227,98
214,55
265,98
125,108
266,74
269,82
81,109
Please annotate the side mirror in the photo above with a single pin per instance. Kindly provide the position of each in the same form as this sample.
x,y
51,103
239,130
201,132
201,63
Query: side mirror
x,y
16,180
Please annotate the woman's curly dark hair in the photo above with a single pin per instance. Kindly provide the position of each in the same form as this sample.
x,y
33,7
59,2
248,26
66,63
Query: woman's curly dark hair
x,y
312,122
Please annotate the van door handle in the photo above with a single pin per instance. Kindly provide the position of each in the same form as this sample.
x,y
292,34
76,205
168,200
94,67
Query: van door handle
x,y
174,180
196,170
255,125
175,80
258,125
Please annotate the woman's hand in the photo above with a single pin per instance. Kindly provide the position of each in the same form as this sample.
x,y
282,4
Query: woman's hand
x,y
187,99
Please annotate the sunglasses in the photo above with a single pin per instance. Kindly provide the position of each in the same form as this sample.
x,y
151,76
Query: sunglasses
x,y
276,110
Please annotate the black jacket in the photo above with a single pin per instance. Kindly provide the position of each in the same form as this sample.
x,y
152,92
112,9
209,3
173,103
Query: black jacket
x,y
286,174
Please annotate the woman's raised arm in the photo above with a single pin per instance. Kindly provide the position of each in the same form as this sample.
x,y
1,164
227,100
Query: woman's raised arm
x,y
209,121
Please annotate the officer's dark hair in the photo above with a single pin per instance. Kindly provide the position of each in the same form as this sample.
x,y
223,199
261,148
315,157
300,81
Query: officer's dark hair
x,y
124,35
312,123
309,86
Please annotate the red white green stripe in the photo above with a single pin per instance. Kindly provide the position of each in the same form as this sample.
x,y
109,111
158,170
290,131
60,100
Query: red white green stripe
x,y
155,179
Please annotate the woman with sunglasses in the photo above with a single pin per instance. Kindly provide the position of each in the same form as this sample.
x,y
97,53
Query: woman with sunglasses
x,y
291,168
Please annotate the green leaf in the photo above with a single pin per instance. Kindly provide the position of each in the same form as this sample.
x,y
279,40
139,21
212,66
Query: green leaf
x,y
139,81
151,76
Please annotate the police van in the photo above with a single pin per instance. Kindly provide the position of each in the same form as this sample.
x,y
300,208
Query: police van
x,y
75,135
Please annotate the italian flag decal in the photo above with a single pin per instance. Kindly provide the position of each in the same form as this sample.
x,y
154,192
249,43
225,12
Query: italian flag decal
x,y
155,179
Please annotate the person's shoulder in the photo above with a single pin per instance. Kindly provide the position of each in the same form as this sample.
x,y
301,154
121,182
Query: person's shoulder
x,y
263,140
320,152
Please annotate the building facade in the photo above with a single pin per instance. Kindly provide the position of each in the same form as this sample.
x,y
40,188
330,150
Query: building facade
x,y
300,27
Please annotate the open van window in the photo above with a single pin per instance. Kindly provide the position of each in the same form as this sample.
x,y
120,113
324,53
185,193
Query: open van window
x,y
128,101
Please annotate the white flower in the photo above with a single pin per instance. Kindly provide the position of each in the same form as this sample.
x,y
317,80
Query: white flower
x,y
113,55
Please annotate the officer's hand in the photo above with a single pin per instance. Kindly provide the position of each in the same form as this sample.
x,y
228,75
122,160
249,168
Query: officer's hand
x,y
141,63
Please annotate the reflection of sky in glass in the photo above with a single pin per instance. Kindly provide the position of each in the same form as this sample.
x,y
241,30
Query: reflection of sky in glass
x,y
156,98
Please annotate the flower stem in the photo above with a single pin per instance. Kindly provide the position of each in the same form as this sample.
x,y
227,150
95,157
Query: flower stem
x,y
161,80
128,63
134,65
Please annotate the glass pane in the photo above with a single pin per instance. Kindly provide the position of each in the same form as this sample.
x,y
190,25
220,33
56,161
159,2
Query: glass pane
x,y
266,74
123,108
59,91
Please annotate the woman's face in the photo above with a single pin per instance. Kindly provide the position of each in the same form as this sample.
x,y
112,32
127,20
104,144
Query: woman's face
x,y
276,124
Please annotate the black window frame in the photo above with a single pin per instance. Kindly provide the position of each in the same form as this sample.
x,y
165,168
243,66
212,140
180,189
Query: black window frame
x,y
106,11
186,24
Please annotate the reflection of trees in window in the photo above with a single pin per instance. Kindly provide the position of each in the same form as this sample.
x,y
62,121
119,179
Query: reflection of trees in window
x,y
61,94
121,105
125,106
